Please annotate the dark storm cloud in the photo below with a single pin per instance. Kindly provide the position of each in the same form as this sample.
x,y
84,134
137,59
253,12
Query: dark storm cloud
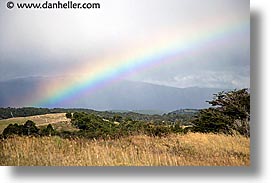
x,y
47,42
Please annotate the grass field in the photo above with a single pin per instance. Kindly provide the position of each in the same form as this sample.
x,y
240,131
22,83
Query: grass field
x,y
193,149
40,120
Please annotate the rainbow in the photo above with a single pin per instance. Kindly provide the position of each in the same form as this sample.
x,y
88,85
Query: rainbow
x,y
109,70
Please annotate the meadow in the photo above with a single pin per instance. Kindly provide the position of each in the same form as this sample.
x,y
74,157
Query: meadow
x,y
192,149
40,120
217,137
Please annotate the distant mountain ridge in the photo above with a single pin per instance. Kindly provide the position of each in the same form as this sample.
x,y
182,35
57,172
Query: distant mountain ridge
x,y
184,111
122,95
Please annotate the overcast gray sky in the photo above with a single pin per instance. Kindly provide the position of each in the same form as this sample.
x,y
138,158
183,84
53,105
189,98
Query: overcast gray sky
x,y
52,42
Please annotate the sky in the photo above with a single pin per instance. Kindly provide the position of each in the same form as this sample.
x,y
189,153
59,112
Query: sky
x,y
182,43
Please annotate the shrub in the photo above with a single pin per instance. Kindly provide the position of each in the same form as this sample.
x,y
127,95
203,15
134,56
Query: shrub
x,y
158,131
69,115
94,126
48,131
28,128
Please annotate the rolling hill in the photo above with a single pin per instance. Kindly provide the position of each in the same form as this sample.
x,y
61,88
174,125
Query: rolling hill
x,y
122,95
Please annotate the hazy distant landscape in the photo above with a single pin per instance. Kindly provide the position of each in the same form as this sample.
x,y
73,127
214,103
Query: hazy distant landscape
x,y
122,95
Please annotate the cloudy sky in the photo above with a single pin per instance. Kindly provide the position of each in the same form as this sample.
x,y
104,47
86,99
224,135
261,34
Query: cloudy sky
x,y
211,36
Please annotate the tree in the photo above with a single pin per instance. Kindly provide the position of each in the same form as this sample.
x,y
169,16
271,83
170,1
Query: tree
x,y
30,128
12,129
69,115
48,131
233,103
230,113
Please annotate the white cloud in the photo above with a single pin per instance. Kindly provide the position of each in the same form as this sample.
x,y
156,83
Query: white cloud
x,y
211,79
52,41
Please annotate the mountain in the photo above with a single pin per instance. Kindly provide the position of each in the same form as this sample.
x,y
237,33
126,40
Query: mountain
x,y
122,95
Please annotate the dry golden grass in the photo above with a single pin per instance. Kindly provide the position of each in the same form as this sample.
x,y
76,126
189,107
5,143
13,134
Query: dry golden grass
x,y
192,149
40,120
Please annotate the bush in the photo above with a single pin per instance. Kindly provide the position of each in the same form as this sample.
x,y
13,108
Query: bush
x,y
27,129
30,128
12,129
93,126
177,128
48,131
69,115
158,131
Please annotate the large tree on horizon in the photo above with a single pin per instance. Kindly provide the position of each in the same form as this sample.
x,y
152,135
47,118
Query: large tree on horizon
x,y
229,113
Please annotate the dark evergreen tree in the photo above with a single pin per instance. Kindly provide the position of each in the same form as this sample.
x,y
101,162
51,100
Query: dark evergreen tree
x,y
230,113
